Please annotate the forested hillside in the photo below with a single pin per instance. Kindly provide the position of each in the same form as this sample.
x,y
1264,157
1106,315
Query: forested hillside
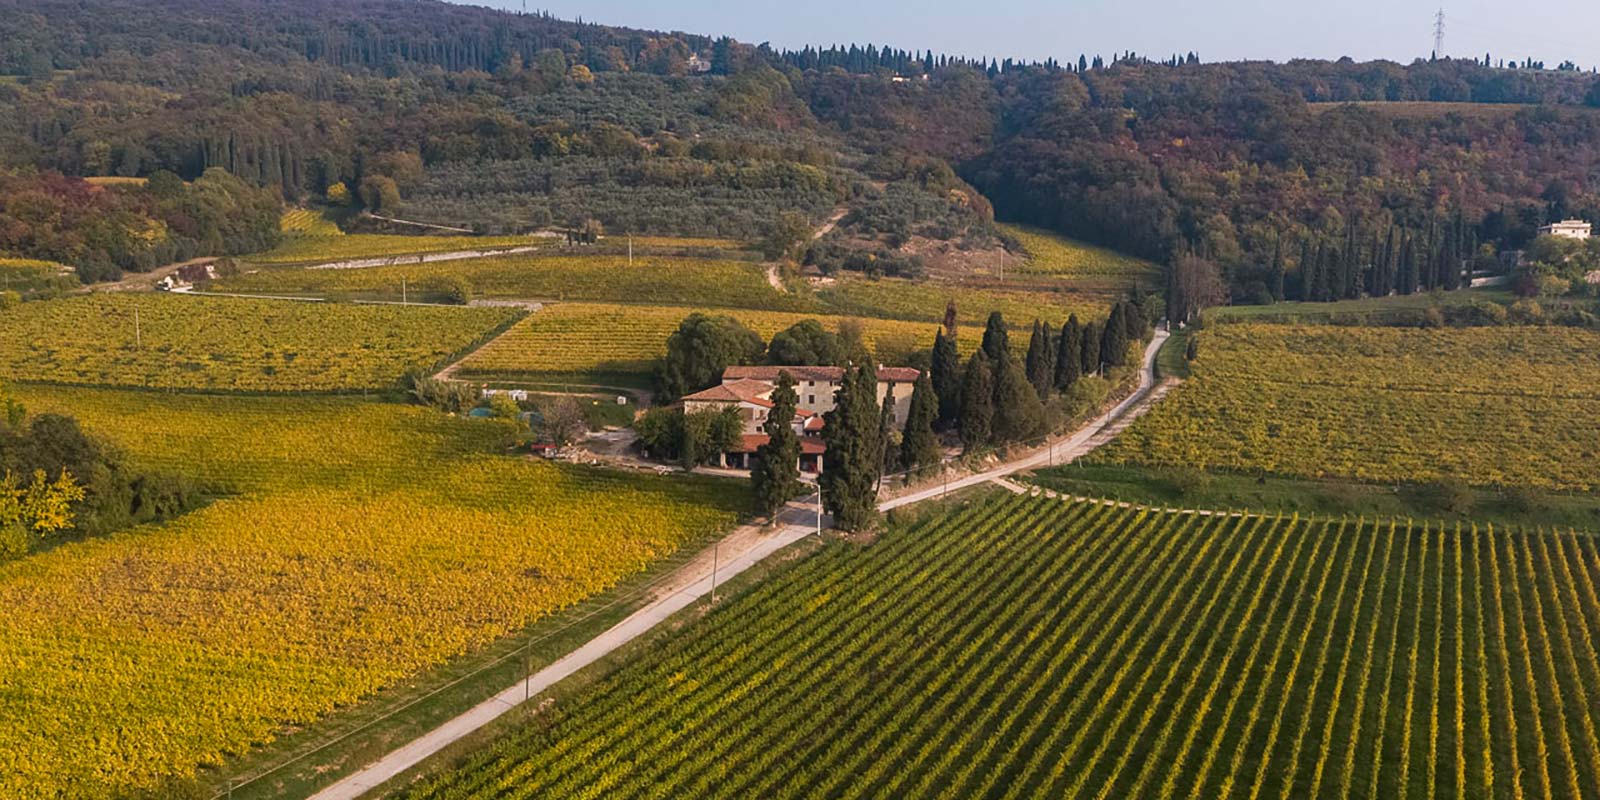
x,y
1283,175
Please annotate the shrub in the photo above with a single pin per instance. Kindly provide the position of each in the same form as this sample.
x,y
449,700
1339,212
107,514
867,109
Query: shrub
x,y
1450,495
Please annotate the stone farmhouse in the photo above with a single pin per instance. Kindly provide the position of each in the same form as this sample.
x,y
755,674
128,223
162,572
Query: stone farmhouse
x,y
750,390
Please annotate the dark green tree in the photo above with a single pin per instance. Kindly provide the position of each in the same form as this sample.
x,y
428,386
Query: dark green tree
x,y
804,344
945,372
1041,372
996,340
1018,414
853,460
977,403
919,448
776,476
698,352
1089,356
1069,359
1114,340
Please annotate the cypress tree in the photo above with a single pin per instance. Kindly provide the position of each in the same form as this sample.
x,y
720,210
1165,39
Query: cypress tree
x,y
1089,356
1018,414
1069,361
945,372
853,460
1114,340
1277,271
1037,365
996,342
1048,378
776,476
919,449
1308,272
977,403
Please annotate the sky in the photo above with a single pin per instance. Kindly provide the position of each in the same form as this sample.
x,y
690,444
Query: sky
x,y
1218,30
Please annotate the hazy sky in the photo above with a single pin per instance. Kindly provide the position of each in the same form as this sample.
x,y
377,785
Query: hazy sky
x,y
1400,30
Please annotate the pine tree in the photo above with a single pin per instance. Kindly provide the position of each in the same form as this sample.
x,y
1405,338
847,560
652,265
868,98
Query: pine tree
x,y
996,341
1018,414
853,459
919,449
977,403
946,375
1069,359
1114,340
776,476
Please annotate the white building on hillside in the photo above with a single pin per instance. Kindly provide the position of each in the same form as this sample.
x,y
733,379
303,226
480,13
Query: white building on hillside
x,y
749,389
1568,229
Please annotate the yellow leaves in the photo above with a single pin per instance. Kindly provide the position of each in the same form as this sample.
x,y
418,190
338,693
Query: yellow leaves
x,y
163,341
43,506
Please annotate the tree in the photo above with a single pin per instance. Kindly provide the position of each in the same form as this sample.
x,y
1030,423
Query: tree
x,y
945,372
379,193
338,193
1194,284
1114,341
776,476
707,434
785,236
1069,361
35,509
804,344
1018,414
1040,362
561,420
1089,356
977,403
853,459
698,352
919,448
996,341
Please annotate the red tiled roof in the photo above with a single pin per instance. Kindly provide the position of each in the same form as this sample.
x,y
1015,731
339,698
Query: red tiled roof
x,y
739,391
749,442
770,374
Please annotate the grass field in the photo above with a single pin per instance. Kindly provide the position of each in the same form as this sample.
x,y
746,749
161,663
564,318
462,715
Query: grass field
x,y
1488,406
356,545
1052,254
600,343
229,344
1367,310
1030,647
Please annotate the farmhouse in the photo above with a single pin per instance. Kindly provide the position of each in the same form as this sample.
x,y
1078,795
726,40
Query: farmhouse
x,y
1568,229
750,390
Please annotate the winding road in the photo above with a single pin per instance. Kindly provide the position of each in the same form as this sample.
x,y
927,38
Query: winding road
x,y
697,579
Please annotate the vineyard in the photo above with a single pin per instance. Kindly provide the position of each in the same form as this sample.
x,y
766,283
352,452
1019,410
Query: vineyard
x,y
316,244
597,342
357,544
307,222
650,279
1489,406
170,342
891,298
1052,254
1034,647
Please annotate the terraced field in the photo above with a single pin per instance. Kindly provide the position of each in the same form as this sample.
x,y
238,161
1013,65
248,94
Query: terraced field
x,y
25,275
1032,647
230,344
597,343
1489,406
357,544
318,245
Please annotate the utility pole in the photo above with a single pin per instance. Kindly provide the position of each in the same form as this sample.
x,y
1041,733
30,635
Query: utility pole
x,y
630,249
402,291
1438,34
716,553
819,506
138,338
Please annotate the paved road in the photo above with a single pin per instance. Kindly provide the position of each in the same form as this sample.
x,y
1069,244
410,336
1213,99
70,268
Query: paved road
x,y
799,522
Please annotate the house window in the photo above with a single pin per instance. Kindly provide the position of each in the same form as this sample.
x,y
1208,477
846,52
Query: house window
x,y
811,399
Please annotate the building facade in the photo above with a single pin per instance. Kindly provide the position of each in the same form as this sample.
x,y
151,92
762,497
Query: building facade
x,y
1568,229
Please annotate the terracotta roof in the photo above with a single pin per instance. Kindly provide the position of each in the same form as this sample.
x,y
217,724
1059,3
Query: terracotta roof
x,y
749,442
739,391
815,423
770,374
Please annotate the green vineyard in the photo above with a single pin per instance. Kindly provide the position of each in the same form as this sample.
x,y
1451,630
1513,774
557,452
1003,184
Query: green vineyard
x,y
1037,647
